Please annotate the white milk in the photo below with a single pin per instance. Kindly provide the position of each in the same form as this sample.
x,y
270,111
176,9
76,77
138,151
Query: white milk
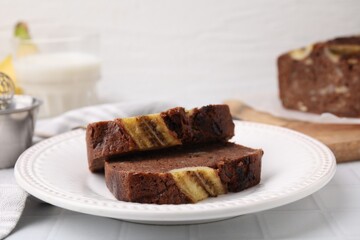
x,y
62,80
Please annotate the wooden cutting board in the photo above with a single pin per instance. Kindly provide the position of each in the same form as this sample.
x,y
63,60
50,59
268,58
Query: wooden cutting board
x,y
342,139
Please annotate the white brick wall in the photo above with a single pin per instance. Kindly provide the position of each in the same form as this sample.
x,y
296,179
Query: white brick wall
x,y
163,49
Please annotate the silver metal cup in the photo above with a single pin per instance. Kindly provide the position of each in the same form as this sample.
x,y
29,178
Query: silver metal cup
x,y
17,123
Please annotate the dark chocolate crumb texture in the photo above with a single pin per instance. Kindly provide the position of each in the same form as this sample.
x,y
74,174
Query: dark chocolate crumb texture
x,y
322,77
185,174
212,123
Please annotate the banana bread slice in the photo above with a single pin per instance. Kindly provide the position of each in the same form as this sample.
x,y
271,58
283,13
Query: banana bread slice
x,y
183,174
322,77
212,123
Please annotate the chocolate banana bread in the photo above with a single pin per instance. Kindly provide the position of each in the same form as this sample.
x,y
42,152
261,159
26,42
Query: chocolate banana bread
x,y
185,174
323,77
212,123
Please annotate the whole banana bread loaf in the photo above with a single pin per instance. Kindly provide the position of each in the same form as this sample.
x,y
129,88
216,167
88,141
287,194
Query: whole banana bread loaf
x,y
212,123
185,174
322,77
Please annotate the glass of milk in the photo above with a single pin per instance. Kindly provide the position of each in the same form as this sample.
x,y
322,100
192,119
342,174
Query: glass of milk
x,y
60,67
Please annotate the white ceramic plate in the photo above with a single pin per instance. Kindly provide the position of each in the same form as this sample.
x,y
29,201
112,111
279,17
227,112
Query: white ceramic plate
x,y
293,167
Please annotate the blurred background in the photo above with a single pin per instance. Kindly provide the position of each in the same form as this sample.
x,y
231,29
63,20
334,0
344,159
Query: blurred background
x,y
202,50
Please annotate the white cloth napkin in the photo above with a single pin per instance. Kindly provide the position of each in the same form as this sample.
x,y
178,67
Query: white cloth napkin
x,y
12,202
13,198
83,116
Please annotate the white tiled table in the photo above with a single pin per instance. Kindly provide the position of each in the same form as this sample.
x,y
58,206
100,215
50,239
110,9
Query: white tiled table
x,y
331,213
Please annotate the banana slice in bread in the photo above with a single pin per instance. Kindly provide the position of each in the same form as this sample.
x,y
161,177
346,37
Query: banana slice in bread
x,y
149,132
198,183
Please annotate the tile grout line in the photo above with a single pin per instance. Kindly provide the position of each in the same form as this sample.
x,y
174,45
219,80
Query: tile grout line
x,y
193,231
355,173
327,215
122,230
55,227
263,226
